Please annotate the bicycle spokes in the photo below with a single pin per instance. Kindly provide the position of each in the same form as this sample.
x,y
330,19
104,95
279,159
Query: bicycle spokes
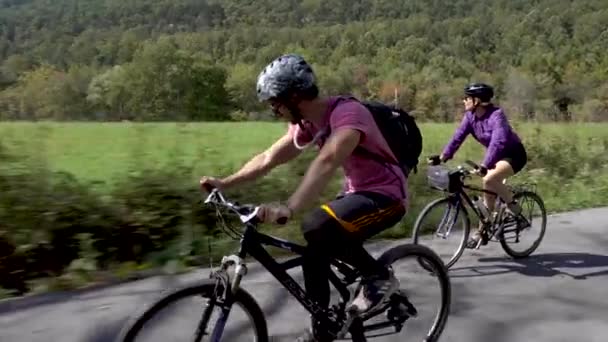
x,y
513,225
522,234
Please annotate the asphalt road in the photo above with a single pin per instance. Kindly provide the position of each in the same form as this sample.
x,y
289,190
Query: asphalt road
x,y
558,294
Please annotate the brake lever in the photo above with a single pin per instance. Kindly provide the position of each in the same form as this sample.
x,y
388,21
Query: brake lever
x,y
212,194
251,216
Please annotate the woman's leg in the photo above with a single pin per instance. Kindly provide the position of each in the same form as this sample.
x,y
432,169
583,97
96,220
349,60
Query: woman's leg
x,y
493,181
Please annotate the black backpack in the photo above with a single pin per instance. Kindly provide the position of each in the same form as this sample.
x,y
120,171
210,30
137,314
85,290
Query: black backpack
x,y
400,131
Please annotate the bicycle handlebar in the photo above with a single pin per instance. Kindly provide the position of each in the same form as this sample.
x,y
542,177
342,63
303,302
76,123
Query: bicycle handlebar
x,y
434,160
247,213
472,164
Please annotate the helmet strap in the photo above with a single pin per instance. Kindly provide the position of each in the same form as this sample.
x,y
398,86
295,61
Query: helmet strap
x,y
476,105
293,109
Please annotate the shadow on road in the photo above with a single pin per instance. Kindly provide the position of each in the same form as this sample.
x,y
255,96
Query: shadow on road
x,y
541,265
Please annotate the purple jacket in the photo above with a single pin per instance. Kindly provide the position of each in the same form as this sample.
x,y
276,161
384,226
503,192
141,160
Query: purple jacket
x,y
492,130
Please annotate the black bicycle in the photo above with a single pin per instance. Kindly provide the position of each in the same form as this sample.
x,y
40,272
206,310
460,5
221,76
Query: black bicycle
x,y
500,225
223,290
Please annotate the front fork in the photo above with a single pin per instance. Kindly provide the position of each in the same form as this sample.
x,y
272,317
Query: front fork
x,y
445,226
240,271
230,288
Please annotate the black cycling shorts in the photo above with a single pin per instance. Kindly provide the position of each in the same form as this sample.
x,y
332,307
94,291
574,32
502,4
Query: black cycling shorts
x,y
516,156
360,215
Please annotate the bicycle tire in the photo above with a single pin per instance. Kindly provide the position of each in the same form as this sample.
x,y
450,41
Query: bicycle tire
x,y
526,253
204,288
430,257
466,229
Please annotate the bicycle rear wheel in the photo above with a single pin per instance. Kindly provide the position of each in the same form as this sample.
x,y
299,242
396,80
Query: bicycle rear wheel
x,y
438,222
133,330
511,238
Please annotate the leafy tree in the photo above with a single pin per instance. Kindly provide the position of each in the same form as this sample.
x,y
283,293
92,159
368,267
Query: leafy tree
x,y
109,93
47,93
162,83
556,47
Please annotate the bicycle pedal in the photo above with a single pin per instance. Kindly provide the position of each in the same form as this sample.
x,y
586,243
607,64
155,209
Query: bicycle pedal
x,y
480,243
400,312
351,314
523,224
402,299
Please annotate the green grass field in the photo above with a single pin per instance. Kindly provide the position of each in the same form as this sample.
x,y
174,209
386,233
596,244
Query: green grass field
x,y
573,155
100,152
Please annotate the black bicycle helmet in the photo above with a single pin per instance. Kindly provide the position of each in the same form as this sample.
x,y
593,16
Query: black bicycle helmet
x,y
286,75
480,90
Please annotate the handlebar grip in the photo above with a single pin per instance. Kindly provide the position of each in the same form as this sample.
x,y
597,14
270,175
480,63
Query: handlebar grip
x,y
472,164
434,160
208,187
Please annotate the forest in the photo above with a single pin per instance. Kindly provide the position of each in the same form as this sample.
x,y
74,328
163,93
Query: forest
x,y
197,60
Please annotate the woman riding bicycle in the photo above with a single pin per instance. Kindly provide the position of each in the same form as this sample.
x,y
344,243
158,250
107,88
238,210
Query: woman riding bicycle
x,y
505,154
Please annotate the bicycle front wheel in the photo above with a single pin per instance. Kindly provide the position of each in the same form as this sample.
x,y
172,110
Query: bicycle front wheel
x,y
189,317
443,225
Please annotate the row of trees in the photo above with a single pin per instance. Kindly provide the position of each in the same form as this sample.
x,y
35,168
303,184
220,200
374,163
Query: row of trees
x,y
197,60
161,82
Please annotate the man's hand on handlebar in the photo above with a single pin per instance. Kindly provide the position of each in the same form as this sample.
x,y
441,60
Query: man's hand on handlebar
x,y
274,213
266,213
210,183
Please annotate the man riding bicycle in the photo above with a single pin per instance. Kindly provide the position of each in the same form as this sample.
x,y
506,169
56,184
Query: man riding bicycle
x,y
374,196
505,155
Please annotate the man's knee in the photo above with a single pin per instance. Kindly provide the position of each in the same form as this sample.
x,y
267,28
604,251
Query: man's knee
x,y
311,222
316,225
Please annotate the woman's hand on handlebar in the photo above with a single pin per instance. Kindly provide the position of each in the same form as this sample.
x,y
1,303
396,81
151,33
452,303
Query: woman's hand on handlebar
x,y
436,159
274,213
479,170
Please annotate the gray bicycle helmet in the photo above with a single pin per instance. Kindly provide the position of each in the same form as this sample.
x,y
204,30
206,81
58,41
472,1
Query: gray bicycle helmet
x,y
480,90
287,74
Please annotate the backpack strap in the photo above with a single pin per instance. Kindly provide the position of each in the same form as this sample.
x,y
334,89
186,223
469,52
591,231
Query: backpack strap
x,y
360,149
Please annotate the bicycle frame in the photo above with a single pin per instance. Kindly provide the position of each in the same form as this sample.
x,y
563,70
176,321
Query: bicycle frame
x,y
462,194
252,244
458,194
